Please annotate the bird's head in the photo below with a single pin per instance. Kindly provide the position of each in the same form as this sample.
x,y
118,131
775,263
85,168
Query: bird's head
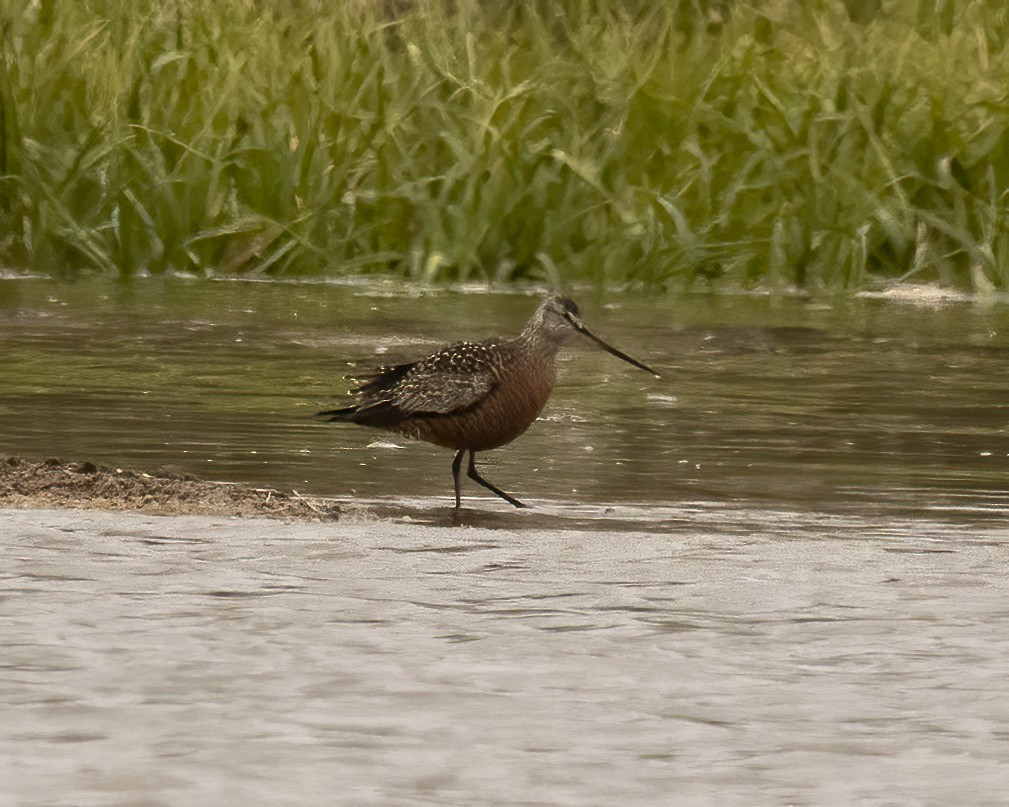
x,y
558,316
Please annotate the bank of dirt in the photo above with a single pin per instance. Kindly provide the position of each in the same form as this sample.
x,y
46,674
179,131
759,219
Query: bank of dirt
x,y
55,483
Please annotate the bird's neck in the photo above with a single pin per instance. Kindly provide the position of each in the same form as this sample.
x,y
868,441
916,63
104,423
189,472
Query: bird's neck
x,y
534,343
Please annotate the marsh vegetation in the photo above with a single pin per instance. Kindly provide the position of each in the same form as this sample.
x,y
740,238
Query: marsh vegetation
x,y
772,144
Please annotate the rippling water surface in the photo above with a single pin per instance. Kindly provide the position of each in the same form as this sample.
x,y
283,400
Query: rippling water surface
x,y
861,403
774,576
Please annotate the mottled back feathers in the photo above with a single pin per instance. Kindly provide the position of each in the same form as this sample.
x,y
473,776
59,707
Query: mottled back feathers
x,y
455,378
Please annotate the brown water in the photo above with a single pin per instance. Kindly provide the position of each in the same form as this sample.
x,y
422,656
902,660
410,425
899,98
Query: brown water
x,y
775,576
864,403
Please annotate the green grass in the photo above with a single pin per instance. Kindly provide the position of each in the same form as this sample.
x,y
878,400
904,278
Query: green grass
x,y
772,144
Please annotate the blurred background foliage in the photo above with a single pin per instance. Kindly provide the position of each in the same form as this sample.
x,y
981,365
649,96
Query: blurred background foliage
x,y
820,145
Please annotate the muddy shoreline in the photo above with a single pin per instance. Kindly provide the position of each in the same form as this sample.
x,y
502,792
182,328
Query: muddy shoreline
x,y
55,483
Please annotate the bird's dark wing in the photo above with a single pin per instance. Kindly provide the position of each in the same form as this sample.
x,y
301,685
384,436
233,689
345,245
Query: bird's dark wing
x,y
381,381
454,378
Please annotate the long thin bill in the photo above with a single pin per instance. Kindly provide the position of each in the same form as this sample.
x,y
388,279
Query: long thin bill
x,y
618,353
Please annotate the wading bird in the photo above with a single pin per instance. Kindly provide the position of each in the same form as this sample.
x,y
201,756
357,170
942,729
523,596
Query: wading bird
x,y
473,396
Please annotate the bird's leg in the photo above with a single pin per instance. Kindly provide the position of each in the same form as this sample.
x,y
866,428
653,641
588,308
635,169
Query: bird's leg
x,y
480,480
456,465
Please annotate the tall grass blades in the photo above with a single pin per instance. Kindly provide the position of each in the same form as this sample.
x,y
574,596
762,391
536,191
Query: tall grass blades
x,y
775,143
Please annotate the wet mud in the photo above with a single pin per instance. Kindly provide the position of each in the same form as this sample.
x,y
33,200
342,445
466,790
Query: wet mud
x,y
28,483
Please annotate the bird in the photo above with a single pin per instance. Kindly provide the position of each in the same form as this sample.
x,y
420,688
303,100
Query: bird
x,y
473,396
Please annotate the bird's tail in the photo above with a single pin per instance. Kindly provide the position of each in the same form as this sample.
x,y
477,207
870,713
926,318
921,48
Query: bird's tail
x,y
380,414
346,414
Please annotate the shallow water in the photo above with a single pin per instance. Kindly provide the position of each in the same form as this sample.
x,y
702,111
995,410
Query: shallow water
x,y
774,576
863,403
754,658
